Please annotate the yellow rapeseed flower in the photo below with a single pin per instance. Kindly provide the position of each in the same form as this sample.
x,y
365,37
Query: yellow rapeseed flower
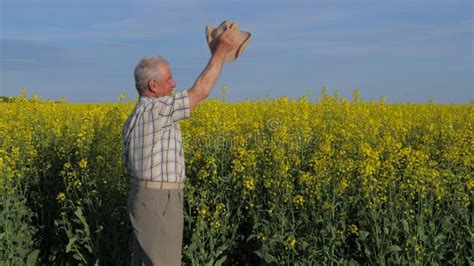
x,y
353,229
61,197
203,211
292,241
77,184
344,184
298,200
249,184
82,163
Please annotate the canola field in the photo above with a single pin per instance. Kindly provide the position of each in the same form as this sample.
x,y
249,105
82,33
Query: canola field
x,y
268,182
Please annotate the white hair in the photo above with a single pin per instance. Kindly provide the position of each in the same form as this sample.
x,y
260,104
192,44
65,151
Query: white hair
x,y
147,69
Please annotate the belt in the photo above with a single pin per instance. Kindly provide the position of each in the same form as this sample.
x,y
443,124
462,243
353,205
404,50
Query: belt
x,y
158,184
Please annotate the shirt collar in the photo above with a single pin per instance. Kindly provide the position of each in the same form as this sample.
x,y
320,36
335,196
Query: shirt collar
x,y
151,99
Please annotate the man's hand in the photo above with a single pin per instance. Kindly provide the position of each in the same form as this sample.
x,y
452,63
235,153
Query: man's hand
x,y
227,41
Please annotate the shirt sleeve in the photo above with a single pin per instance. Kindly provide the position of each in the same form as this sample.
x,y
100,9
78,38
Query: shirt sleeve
x,y
176,107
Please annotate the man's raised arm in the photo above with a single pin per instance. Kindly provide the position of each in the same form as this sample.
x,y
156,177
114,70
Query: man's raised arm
x,y
207,79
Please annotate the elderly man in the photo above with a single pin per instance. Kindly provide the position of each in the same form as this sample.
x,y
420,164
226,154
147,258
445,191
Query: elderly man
x,y
153,154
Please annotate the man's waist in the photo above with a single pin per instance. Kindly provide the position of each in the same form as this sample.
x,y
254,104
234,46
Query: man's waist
x,y
158,184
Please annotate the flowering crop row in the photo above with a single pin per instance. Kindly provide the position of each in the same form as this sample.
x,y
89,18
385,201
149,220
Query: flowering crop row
x,y
267,182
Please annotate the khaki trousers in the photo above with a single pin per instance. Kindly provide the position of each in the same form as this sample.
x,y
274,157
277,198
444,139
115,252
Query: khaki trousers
x,y
157,220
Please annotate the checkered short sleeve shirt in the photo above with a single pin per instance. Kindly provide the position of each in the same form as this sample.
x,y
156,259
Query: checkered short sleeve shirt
x,y
152,148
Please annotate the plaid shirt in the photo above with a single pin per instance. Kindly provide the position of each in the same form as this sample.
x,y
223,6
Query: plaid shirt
x,y
152,147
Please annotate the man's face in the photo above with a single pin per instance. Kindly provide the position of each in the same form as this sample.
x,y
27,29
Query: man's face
x,y
166,83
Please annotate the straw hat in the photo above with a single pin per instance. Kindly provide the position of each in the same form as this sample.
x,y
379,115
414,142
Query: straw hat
x,y
213,33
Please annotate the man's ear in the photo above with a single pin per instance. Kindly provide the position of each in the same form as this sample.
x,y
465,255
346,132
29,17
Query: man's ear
x,y
151,85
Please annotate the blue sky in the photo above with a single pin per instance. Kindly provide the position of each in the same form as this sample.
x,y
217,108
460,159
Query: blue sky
x,y
407,51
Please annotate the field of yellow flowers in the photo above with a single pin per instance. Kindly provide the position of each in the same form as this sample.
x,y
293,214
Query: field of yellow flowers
x,y
271,181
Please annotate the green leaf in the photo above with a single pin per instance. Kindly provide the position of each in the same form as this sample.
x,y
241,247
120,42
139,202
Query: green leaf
x,y
83,220
259,253
363,235
406,228
421,233
265,256
393,248
31,260
80,215
220,261
69,245
210,263
351,262
304,244
192,247
251,237
77,257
